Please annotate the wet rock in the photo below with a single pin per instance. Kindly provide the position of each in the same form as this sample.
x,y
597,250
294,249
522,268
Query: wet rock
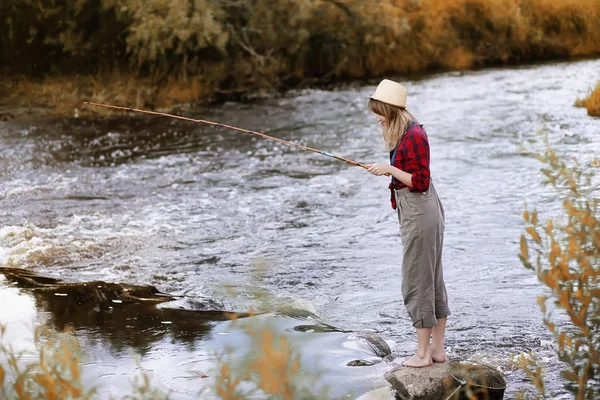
x,y
375,344
360,363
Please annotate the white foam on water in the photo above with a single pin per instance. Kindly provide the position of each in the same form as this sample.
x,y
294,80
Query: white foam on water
x,y
82,237
39,183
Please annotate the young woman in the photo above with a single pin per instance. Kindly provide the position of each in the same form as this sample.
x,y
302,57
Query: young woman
x,y
421,218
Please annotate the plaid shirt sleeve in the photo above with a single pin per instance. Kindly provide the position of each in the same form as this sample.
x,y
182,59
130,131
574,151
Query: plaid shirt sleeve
x,y
417,159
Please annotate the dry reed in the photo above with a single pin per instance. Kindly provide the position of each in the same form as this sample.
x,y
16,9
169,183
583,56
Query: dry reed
x,y
592,102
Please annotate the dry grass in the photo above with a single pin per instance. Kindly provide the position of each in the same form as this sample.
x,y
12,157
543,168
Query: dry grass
x,y
55,375
592,102
55,371
63,95
272,368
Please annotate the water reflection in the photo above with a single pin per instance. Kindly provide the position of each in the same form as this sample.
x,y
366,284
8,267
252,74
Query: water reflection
x,y
191,336
121,315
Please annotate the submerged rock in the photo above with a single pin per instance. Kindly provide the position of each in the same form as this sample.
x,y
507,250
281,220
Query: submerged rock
x,y
87,292
360,363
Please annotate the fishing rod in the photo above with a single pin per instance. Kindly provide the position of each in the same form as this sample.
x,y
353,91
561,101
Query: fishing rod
x,y
202,121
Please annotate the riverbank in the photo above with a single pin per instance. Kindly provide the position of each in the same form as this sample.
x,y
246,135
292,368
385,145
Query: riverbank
x,y
23,98
255,48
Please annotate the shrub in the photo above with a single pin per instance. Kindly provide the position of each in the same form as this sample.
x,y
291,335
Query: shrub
x,y
566,258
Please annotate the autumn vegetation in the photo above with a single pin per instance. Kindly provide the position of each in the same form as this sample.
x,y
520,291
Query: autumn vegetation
x,y
592,102
159,53
565,254
272,369
53,374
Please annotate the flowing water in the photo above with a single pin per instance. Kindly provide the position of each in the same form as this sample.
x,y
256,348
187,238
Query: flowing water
x,y
217,216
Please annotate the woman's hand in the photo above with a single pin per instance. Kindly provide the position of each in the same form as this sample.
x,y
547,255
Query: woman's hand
x,y
379,169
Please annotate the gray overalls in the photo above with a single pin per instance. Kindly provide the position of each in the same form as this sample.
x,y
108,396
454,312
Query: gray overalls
x,y
421,218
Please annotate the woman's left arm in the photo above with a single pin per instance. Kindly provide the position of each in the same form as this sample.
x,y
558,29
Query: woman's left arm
x,y
397,173
418,156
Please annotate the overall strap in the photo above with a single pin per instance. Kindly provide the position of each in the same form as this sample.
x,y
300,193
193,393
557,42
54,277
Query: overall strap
x,y
393,153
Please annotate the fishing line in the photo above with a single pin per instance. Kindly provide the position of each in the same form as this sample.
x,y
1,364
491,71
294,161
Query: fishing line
x,y
202,121
93,124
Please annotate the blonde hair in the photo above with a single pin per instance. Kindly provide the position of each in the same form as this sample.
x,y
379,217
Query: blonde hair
x,y
397,120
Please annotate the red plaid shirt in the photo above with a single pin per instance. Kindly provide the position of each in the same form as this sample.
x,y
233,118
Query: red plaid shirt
x,y
412,156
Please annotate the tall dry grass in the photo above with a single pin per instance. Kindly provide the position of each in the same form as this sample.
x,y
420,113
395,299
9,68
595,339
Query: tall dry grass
x,y
592,102
54,375
54,372
204,50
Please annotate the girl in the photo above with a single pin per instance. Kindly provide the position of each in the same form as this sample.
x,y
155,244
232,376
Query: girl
x,y
421,218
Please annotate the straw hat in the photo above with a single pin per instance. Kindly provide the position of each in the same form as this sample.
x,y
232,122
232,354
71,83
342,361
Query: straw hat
x,y
391,92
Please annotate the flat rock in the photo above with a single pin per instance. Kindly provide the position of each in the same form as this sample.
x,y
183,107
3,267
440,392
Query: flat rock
x,y
440,381
421,383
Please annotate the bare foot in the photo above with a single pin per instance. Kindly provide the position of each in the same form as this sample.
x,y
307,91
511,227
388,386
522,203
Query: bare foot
x,y
419,362
438,356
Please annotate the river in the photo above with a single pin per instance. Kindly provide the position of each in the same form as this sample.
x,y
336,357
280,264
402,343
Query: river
x,y
219,217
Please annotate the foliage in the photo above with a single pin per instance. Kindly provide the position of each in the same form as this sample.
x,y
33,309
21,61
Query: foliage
x,y
565,254
165,31
234,47
39,38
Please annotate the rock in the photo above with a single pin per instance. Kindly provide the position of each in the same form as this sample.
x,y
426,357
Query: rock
x,y
375,344
421,383
440,381
360,363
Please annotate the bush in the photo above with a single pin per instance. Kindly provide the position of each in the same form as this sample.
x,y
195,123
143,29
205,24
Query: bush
x,y
566,258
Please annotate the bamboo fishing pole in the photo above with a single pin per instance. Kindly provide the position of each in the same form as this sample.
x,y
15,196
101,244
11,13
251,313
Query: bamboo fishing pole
x,y
202,121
